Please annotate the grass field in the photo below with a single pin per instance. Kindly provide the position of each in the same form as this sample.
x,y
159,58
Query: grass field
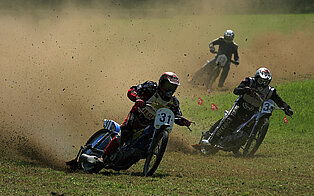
x,y
282,166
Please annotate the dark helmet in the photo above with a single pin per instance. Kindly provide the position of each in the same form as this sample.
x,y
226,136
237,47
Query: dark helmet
x,y
229,36
263,76
168,83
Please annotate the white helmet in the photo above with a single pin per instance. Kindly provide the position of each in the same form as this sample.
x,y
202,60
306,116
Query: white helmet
x,y
263,76
229,35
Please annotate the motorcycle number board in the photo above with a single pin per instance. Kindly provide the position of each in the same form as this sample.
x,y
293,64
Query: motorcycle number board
x,y
164,116
268,106
221,60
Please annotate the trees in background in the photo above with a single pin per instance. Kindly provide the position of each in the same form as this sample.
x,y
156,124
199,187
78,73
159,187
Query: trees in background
x,y
251,6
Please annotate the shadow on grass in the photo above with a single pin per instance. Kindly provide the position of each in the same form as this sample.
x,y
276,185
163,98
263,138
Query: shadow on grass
x,y
29,163
140,174
242,157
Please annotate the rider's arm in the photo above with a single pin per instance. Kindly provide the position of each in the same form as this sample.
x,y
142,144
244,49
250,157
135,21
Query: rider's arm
x,y
243,87
142,91
277,99
215,42
132,93
179,119
177,112
235,54
176,107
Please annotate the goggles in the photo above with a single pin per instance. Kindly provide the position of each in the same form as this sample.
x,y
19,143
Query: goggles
x,y
263,82
168,88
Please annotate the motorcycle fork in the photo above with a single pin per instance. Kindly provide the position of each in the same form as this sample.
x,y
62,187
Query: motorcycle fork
x,y
151,143
253,132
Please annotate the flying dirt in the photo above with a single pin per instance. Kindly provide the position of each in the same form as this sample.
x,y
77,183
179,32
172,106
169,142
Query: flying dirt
x,y
63,72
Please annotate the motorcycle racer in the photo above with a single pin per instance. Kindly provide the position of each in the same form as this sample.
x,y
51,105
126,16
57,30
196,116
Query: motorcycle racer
x,y
159,96
227,47
252,92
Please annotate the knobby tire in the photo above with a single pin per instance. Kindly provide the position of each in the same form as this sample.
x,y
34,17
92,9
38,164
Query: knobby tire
x,y
259,137
210,150
160,145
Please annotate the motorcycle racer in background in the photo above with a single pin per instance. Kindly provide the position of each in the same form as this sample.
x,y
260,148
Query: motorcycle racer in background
x,y
227,48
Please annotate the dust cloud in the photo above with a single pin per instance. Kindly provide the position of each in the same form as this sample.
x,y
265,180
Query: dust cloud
x,y
63,71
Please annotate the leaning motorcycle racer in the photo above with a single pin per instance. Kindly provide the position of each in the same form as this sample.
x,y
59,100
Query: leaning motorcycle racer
x,y
159,96
252,91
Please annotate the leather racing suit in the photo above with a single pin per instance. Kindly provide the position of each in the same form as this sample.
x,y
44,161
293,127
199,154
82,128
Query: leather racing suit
x,y
139,118
226,48
246,105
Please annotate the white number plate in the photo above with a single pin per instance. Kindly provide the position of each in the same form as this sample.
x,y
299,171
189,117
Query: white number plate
x,y
164,116
221,60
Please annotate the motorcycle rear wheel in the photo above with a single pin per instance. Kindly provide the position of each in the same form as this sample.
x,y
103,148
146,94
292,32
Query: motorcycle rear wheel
x,y
156,153
213,76
254,143
208,149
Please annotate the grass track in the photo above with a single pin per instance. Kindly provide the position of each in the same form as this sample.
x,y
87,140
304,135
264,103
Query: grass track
x,y
282,166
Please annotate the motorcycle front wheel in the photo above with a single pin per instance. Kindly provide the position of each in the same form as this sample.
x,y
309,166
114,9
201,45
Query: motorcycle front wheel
x,y
155,153
254,143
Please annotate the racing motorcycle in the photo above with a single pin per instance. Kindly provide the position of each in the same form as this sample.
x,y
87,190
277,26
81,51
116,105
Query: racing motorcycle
x,y
220,61
148,143
245,139
207,78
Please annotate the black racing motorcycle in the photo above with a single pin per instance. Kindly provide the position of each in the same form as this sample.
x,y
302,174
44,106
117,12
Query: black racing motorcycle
x,y
208,77
220,61
245,139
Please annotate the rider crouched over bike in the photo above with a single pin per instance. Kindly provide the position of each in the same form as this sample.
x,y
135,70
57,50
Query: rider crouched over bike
x,y
158,96
227,48
252,91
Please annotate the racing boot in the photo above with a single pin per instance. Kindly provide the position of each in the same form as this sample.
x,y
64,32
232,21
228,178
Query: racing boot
x,y
109,150
88,159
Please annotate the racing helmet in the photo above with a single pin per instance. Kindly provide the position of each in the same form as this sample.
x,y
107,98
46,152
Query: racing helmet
x,y
263,76
167,85
229,36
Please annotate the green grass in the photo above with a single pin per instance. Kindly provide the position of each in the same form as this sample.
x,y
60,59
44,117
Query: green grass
x,y
246,27
282,166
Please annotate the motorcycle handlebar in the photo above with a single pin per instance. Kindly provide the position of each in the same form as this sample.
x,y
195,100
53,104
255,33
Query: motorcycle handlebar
x,y
177,118
283,109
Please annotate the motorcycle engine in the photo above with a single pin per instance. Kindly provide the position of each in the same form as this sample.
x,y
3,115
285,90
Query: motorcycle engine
x,y
235,139
127,156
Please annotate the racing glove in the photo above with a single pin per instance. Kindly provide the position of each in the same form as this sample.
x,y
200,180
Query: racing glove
x,y
139,103
288,111
182,121
211,48
236,62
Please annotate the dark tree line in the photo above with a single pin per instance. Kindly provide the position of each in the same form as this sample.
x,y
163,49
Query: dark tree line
x,y
283,6
254,6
